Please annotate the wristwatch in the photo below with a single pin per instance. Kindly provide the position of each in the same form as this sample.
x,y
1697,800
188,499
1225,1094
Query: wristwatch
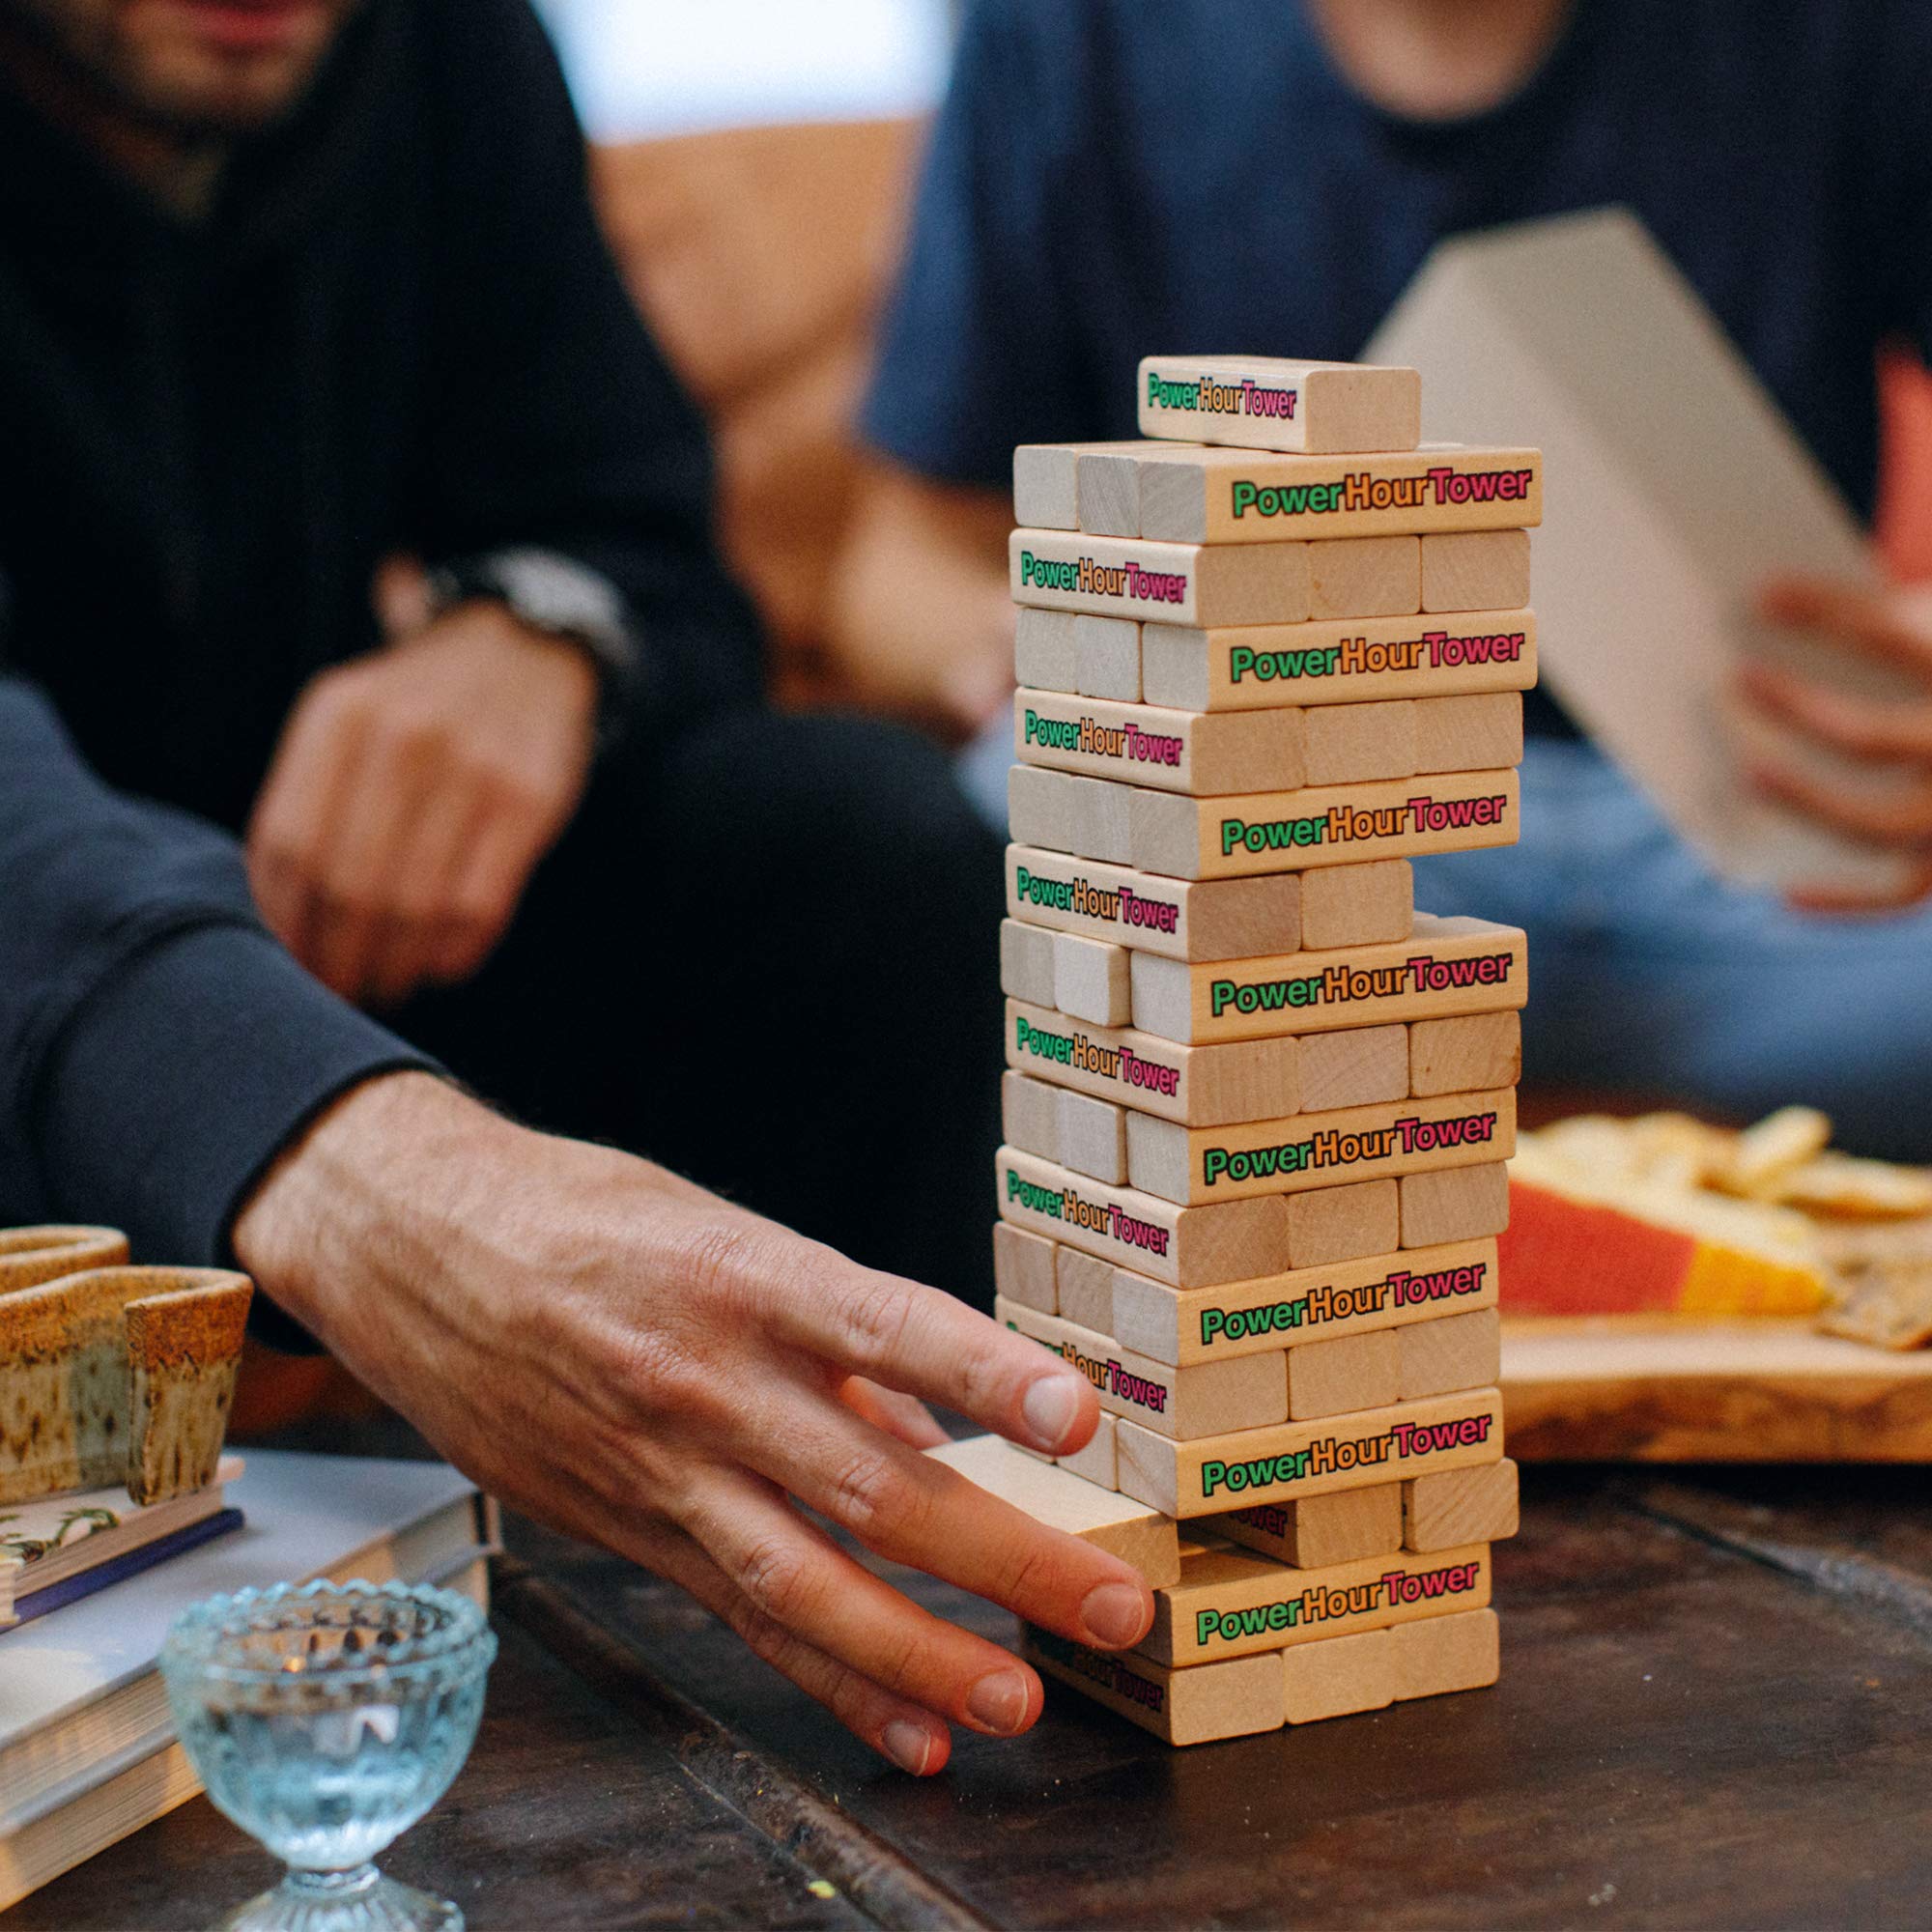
x,y
561,598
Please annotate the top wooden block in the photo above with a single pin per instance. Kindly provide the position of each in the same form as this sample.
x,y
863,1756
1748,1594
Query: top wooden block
x,y
1264,402
1238,496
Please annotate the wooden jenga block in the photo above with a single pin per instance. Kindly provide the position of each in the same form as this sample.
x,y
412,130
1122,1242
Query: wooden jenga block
x,y
1030,1115
1461,1506
1319,1531
1357,905
1044,649
1266,402
1090,980
1309,1304
1186,1247
1025,1268
1091,1136
1238,496
1208,1476
1355,743
1351,661
1327,1225
1195,585
1460,1204
1046,482
1108,487
1457,1352
1084,1287
1061,811
1319,1151
1356,1067
1365,577
1216,1398
1323,825
1230,1603
1235,1699
1457,1055
1095,1463
1107,657
1169,750
1194,1084
1479,733
1447,966
1443,1653
1186,919
1338,1678
1475,570
1026,965
1350,1371
1141,1538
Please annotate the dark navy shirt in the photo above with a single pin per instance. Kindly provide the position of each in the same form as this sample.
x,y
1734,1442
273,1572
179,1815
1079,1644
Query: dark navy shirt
x,y
1109,178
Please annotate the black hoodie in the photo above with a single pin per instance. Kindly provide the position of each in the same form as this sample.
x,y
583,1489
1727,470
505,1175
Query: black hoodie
x,y
397,328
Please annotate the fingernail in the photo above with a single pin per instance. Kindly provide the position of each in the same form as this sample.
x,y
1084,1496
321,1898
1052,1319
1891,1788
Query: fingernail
x,y
1115,1615
998,1702
1049,1410
907,1745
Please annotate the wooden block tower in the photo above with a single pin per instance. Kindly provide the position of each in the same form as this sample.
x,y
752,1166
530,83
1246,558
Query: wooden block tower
x,y
1256,1108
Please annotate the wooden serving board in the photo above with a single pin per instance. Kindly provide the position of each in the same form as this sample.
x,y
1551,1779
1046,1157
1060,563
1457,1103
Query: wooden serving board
x,y
1639,1389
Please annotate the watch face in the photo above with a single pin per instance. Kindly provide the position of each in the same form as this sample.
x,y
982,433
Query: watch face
x,y
557,594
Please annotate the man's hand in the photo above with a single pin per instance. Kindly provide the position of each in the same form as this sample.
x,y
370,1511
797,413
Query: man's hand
x,y
413,794
617,1352
1891,739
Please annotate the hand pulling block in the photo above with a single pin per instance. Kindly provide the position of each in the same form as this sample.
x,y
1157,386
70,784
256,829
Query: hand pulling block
x,y
1240,497
1203,753
1095,1463
1319,1531
1235,1699
1306,1305
1322,825
1196,1165
1358,661
1445,967
1267,402
1226,918
1195,584
1185,1480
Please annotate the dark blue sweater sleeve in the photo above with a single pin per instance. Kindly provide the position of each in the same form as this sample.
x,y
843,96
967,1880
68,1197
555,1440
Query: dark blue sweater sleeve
x,y
157,1047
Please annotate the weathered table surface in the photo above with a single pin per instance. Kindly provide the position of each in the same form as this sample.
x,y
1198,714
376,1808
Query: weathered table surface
x,y
1715,1711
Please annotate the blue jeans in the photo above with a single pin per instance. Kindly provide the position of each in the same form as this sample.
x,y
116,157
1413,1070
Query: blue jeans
x,y
1650,975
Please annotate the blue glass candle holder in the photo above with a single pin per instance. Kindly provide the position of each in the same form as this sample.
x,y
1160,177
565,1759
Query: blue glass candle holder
x,y
324,1719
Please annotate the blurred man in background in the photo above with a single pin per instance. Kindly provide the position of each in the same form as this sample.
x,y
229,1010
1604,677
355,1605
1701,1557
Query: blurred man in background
x,y
1102,185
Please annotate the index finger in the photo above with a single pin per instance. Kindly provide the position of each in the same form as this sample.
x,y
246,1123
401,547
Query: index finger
x,y
1866,621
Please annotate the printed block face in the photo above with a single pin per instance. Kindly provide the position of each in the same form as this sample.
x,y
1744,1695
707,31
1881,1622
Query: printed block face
x,y
1319,1151
1030,1115
1461,1352
1443,1653
1461,1506
1365,577
1107,657
1241,497
1177,584
1340,1678
1310,1459
1457,1055
1091,1136
1372,1292
1185,1083
1027,963
1357,744
1184,920
1046,482
1351,1371
1186,1247
1024,1269
1476,570
1267,403
1327,1225
1093,1463
1482,733
1356,1067
1090,980
1084,1287
1448,966
1358,905
1169,750
1460,1206
1044,649
1331,825
1234,1603
1356,660
1138,1536
1235,1699
1319,1531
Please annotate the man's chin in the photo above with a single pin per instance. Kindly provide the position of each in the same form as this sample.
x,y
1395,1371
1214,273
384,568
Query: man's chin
x,y
221,66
